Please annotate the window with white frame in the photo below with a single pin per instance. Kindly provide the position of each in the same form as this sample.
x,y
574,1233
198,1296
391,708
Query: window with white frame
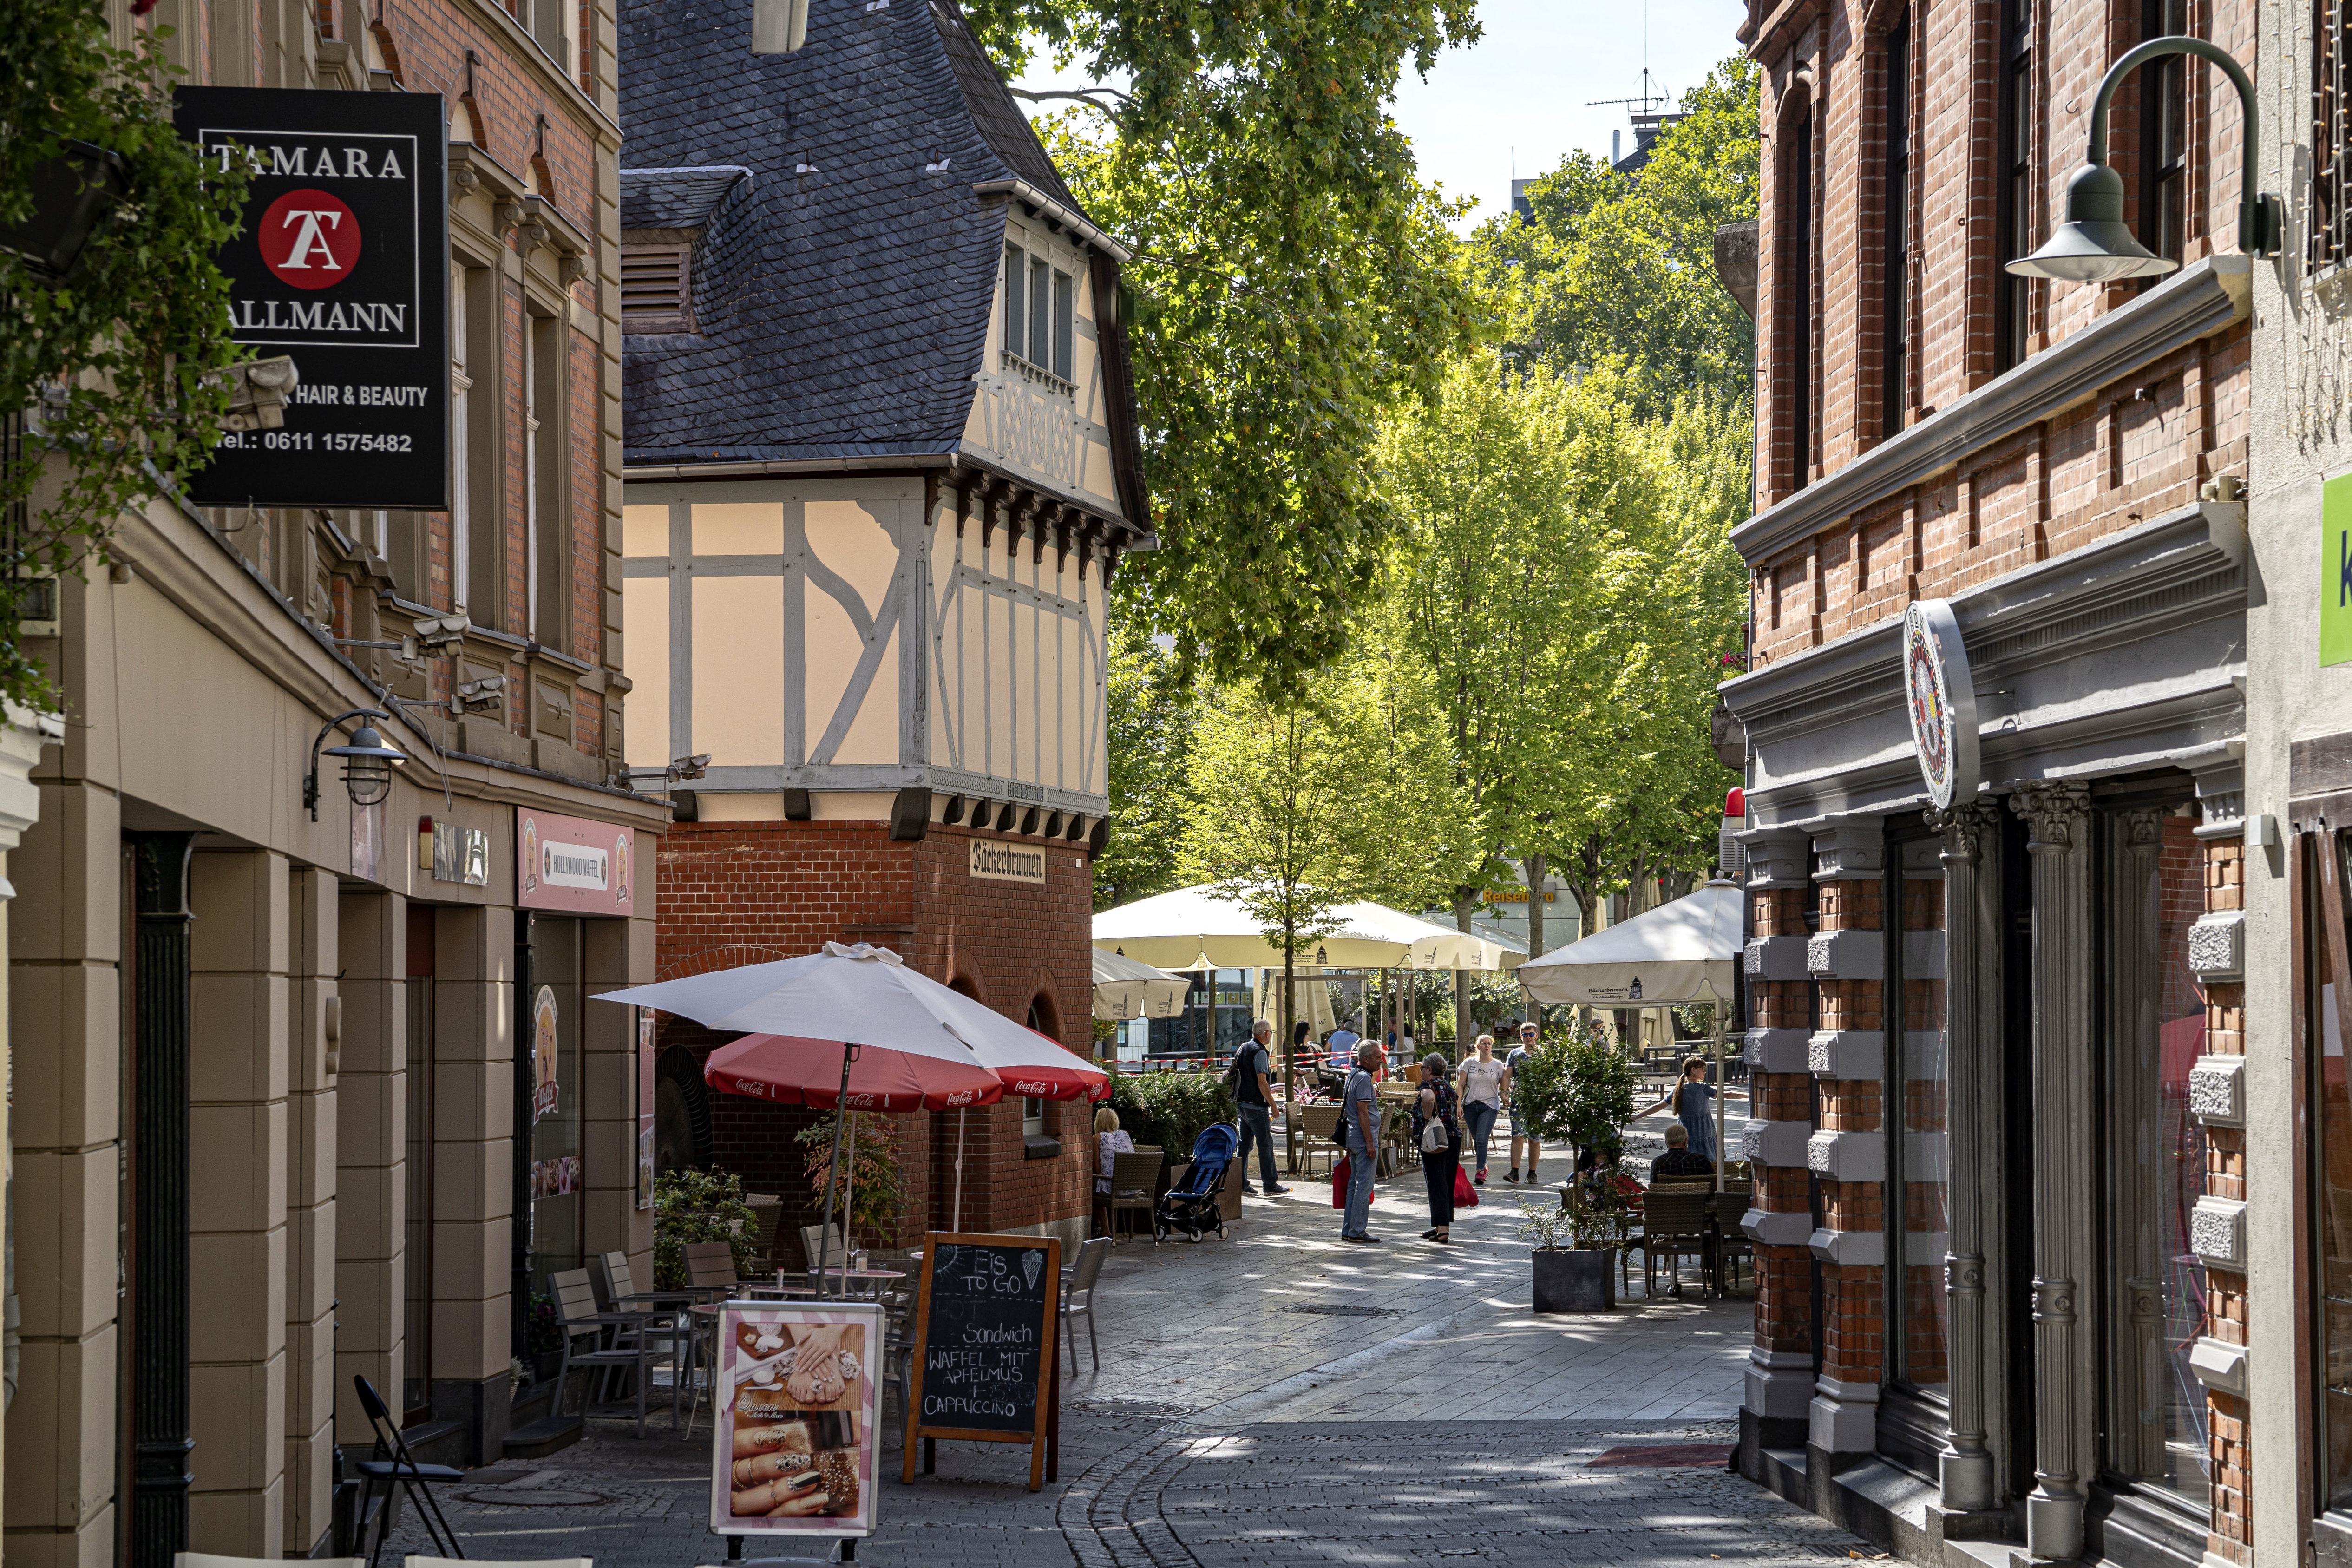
x,y
1039,314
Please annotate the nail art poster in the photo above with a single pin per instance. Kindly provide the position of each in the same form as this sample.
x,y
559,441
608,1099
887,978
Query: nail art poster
x,y
797,1449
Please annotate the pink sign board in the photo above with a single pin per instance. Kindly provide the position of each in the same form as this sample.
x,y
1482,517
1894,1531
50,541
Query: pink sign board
x,y
571,864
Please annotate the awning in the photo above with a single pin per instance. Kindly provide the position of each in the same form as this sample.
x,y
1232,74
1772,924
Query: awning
x,y
1127,988
1687,950
1196,928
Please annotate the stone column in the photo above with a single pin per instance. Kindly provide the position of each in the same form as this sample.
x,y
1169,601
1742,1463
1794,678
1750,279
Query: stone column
x,y
1780,1381
371,1154
616,953
159,1053
311,1156
2059,818
65,998
237,1139
473,1173
1972,1025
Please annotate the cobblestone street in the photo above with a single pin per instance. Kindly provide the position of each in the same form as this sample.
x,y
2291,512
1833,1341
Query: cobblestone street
x,y
1279,1398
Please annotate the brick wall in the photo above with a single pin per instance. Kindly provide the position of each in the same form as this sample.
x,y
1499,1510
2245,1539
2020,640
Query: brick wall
x,y
2135,448
750,892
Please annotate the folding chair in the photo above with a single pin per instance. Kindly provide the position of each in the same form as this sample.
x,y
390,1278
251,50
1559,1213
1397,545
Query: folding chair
x,y
1078,1296
393,1465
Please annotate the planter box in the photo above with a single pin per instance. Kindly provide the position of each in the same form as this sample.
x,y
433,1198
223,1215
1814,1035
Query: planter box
x,y
1582,1280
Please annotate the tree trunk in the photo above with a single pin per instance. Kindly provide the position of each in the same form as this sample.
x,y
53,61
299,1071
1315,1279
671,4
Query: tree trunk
x,y
1289,998
1534,866
1463,1030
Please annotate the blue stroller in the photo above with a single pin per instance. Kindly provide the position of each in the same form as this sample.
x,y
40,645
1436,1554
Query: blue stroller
x,y
1193,1207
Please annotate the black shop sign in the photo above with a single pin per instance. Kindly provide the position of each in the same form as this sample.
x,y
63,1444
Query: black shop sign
x,y
342,264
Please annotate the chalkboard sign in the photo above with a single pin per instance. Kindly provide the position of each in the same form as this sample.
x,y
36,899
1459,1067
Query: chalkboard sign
x,y
985,1326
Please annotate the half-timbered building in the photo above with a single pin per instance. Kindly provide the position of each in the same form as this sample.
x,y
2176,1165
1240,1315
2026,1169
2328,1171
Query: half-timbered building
x,y
880,468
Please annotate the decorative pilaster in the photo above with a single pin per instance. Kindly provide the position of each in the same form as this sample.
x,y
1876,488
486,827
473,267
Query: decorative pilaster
x,y
2058,816
1779,1378
159,1171
1846,958
1973,1036
2217,1096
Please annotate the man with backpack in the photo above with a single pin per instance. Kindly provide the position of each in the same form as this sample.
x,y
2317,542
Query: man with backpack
x,y
1254,1095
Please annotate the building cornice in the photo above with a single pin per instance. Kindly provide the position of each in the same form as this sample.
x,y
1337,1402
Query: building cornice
x,y
2199,301
1076,223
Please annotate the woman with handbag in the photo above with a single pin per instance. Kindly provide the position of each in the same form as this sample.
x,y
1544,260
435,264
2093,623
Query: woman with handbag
x,y
1437,1129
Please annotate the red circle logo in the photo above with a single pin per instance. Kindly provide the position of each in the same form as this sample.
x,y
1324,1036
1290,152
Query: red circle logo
x,y
310,239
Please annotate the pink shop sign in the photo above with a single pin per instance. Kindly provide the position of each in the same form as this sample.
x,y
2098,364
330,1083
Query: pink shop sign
x,y
571,864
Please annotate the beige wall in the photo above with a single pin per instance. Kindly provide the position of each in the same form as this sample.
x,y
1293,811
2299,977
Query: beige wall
x,y
473,1144
371,1154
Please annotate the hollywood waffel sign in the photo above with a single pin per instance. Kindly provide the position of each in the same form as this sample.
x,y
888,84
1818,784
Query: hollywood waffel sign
x,y
342,264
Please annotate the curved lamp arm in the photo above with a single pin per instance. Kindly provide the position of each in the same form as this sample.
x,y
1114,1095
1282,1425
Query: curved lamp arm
x,y
2260,218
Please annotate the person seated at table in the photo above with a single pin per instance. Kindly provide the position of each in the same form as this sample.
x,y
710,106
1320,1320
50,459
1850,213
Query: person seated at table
x,y
1680,1162
1109,1145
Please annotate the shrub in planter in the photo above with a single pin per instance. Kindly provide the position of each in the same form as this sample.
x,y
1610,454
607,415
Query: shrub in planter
x,y
1578,1092
699,1205
1169,1109
1582,1275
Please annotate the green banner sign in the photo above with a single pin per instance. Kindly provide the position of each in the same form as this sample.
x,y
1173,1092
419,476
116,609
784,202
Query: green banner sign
x,y
2336,572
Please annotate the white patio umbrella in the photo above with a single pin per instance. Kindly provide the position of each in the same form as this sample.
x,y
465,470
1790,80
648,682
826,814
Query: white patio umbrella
x,y
1686,951
1130,988
863,997
1198,928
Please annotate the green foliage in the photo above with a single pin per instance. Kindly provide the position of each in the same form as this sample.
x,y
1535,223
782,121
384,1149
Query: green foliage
x,y
1151,741
871,1155
700,1205
1620,269
1574,1091
1291,279
110,366
1169,1110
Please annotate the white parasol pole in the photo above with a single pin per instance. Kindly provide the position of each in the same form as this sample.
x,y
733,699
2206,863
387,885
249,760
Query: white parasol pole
x,y
1722,1086
956,1220
840,1105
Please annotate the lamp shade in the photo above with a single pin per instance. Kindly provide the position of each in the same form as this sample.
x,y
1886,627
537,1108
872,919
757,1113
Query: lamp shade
x,y
367,765
71,192
2093,245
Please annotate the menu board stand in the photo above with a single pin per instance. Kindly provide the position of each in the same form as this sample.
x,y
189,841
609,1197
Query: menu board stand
x,y
987,1352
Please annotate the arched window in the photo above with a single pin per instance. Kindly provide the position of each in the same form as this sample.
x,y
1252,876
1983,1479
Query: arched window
x,y
1044,1018
1797,265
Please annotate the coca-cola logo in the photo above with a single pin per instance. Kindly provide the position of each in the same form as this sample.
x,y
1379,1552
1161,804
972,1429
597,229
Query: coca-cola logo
x,y
1033,1088
310,239
961,1097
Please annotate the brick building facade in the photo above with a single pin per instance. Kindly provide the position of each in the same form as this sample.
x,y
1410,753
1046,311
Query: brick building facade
x,y
1994,1301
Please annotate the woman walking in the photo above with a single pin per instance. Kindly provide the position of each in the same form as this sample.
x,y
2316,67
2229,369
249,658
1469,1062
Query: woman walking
x,y
1437,1131
1691,1101
1483,1080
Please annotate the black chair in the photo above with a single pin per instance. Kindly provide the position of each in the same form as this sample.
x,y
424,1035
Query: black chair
x,y
393,1465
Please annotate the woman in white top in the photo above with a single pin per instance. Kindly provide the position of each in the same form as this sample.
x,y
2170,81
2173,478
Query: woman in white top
x,y
1484,1081
1109,1145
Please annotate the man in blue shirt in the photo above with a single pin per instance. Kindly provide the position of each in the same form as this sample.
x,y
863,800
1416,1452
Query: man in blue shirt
x,y
1254,1095
1360,1118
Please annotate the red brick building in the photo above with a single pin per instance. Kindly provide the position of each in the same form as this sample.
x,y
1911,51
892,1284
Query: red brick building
x,y
881,467
1997,555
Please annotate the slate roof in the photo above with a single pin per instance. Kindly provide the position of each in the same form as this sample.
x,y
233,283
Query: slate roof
x,y
676,198
841,286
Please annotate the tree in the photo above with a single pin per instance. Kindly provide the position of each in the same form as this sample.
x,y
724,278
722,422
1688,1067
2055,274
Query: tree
x,y
1150,744
1620,269
1277,806
112,369
1291,279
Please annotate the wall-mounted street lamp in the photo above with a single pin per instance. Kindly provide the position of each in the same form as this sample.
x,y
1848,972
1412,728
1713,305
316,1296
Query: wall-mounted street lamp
x,y
367,762
2093,245
72,192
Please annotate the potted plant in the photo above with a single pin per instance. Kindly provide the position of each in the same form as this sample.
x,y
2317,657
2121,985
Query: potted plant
x,y
1577,1092
1581,1276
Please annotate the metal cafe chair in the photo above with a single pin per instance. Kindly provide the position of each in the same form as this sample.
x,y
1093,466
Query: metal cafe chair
x,y
1078,1296
1132,1179
640,1342
392,1466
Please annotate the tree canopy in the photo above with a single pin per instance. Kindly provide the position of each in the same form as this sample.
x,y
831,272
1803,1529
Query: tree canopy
x,y
1292,278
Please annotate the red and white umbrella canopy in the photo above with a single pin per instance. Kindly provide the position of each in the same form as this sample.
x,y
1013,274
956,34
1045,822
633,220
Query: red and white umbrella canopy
x,y
868,996
789,1070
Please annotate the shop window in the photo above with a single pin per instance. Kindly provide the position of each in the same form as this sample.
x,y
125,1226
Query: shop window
x,y
2153,1154
2013,194
1921,1102
2331,1128
558,1234
2164,133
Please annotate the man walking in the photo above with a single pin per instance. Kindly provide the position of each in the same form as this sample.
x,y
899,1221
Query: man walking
x,y
1523,1133
1359,1115
1254,1097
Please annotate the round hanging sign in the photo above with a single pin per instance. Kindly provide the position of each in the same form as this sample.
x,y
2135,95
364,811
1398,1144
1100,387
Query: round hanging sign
x,y
1941,701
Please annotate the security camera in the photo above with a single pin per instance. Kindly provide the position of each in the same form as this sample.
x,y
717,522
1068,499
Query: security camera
x,y
691,767
484,696
435,633
257,393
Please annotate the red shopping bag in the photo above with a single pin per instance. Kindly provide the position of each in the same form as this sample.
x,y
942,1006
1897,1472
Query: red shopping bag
x,y
1465,1196
1339,1174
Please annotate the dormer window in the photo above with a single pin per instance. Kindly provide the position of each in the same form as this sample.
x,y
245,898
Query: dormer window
x,y
1040,326
656,293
